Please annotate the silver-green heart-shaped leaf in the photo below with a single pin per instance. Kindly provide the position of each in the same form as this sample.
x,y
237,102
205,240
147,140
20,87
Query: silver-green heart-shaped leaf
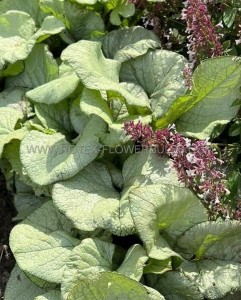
x,y
128,43
42,243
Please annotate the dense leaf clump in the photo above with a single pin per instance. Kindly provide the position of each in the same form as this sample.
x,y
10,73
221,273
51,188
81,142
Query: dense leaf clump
x,y
100,216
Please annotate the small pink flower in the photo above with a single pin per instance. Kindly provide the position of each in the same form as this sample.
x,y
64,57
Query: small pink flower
x,y
203,39
195,161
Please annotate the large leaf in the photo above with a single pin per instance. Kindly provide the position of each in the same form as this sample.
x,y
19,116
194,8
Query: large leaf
x,y
159,73
55,116
55,7
41,219
16,31
107,286
134,262
86,25
20,287
97,70
147,168
128,43
216,240
167,208
79,196
17,39
215,279
55,90
178,107
81,24
91,102
50,158
50,26
8,120
156,266
90,257
112,111
30,7
42,243
109,107
39,68
217,84
174,285
98,73
90,200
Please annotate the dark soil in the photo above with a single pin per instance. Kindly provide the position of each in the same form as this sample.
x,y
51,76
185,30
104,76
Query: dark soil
x,y
7,212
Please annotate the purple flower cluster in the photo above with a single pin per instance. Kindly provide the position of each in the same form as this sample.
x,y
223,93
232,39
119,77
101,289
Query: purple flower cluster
x,y
195,161
138,132
203,39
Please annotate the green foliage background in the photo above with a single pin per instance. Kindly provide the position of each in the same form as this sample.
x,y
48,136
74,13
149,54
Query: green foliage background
x,y
96,220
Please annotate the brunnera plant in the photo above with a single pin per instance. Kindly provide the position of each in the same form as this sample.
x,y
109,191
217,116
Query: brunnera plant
x,y
101,216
